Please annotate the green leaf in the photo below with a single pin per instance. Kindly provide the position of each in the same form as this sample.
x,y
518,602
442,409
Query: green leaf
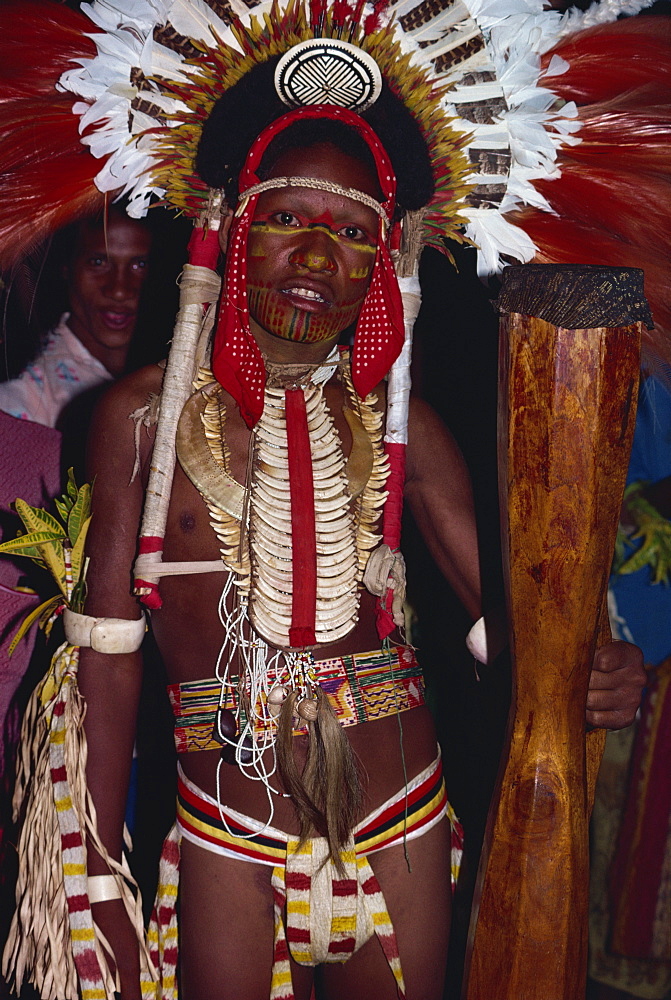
x,y
654,532
36,613
637,561
78,596
80,513
71,485
55,563
36,519
28,545
78,549
63,509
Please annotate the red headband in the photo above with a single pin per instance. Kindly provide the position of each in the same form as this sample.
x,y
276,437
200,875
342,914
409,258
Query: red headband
x,y
236,359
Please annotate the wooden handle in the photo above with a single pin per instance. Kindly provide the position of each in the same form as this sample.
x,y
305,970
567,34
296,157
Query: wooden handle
x,y
567,401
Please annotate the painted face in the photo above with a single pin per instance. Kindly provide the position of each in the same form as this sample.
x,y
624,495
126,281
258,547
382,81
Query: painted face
x,y
310,253
105,278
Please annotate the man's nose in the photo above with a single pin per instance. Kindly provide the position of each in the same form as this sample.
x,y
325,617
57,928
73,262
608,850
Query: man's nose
x,y
315,252
122,284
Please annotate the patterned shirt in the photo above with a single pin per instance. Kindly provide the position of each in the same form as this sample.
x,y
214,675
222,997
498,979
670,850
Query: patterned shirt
x,y
63,370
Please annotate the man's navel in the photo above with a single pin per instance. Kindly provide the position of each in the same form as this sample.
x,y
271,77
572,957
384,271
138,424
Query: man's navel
x,y
187,521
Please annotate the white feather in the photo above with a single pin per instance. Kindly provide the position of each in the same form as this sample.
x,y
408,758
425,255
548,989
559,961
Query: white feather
x,y
193,19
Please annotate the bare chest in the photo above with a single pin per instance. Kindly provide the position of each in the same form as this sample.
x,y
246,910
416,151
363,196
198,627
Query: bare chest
x,y
254,533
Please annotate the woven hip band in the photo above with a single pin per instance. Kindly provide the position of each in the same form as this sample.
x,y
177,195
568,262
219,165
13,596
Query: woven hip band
x,y
361,688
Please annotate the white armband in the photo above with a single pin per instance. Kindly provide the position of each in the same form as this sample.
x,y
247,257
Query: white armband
x,y
105,635
102,887
488,636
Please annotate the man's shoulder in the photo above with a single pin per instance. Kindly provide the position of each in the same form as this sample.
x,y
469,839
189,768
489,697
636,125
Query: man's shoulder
x,y
114,445
133,391
125,404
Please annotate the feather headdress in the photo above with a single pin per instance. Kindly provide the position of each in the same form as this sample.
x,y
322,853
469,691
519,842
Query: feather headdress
x,y
496,95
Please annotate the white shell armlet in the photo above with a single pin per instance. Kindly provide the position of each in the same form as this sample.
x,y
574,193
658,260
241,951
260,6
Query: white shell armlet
x,y
105,635
101,888
488,636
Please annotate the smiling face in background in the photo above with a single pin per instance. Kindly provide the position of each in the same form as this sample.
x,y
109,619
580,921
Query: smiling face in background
x,y
310,253
105,279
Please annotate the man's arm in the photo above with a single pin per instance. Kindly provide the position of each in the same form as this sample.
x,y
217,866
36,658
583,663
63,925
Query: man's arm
x,y
438,490
110,683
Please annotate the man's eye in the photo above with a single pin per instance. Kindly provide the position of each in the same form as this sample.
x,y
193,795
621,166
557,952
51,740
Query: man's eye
x,y
97,261
286,219
353,233
140,264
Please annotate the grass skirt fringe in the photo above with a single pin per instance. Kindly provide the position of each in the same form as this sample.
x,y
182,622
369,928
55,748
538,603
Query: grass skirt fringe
x,y
53,942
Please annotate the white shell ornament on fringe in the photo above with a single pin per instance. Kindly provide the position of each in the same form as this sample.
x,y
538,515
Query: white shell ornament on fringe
x,y
276,699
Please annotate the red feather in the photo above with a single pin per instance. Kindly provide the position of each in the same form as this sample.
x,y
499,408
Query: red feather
x,y
340,12
40,40
317,12
634,207
372,22
46,174
612,58
632,132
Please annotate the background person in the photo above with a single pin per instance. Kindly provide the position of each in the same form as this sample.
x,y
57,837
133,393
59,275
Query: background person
x,y
104,275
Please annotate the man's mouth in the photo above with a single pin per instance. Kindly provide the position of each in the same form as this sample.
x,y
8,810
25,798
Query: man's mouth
x,y
308,293
301,294
117,320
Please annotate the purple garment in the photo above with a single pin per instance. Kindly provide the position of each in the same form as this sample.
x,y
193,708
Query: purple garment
x,y
29,468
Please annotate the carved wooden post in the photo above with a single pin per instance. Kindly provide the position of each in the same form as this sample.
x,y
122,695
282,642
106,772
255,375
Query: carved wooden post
x,y
569,363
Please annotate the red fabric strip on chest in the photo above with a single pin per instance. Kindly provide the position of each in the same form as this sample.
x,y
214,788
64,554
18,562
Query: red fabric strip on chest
x,y
303,537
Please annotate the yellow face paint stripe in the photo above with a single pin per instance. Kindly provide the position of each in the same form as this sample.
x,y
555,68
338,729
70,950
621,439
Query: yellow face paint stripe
x,y
269,229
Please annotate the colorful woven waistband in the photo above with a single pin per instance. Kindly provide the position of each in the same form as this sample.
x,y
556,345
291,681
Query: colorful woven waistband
x,y
226,831
361,688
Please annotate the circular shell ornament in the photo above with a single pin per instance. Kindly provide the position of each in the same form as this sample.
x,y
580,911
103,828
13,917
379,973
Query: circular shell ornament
x,y
276,699
328,71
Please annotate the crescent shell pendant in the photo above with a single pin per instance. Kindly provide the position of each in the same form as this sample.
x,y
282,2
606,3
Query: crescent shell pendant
x,y
195,457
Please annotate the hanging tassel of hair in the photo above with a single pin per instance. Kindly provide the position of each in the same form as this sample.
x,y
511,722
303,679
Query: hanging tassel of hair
x,y
309,816
328,794
331,777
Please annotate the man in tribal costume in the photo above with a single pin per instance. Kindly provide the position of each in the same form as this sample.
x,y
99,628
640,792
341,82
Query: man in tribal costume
x,y
309,255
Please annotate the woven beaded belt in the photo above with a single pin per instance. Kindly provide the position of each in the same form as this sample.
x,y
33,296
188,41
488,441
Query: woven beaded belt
x,y
361,688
